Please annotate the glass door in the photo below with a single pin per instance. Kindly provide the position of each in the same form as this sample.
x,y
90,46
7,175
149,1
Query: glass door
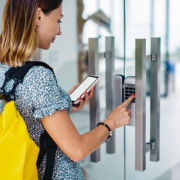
x,y
146,19
103,18
131,20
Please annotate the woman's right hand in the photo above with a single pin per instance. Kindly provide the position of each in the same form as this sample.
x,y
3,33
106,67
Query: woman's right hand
x,y
62,130
120,116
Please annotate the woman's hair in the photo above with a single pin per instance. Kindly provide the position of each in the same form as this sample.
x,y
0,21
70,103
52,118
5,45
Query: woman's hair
x,y
18,38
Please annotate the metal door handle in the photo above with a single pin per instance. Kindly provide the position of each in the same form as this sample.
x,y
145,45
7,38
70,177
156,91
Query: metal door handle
x,y
94,57
110,60
155,99
140,105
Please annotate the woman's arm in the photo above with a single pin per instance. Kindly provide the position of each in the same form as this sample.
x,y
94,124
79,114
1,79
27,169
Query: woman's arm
x,y
62,130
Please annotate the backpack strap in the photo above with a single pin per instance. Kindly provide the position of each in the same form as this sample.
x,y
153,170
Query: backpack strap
x,y
22,71
47,144
17,74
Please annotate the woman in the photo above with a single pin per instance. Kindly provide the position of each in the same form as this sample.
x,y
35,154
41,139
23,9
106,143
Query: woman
x,y
27,25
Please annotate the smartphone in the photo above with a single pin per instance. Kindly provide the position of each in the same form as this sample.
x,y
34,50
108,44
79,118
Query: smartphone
x,y
85,85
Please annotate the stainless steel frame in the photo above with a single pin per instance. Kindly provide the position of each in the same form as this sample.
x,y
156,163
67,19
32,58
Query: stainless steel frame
x,y
140,105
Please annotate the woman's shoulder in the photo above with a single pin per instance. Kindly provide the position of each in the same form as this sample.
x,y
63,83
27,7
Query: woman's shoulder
x,y
36,78
40,75
4,68
34,72
39,71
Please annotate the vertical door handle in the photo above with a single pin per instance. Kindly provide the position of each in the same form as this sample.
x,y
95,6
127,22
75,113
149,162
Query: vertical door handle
x,y
110,60
93,56
155,99
140,105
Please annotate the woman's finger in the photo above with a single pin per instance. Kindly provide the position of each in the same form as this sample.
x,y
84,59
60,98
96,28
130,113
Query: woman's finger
x,y
81,103
129,112
86,95
91,92
128,101
76,85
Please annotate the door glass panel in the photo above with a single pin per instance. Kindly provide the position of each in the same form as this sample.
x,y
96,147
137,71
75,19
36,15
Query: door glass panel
x,y
139,26
111,166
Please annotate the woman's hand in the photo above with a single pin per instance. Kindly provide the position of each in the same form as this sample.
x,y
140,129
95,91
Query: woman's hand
x,y
120,116
82,101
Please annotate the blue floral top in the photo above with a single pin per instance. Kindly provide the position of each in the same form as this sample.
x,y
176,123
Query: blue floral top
x,y
37,96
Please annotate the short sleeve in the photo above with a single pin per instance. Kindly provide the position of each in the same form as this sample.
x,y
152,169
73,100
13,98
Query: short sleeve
x,y
47,97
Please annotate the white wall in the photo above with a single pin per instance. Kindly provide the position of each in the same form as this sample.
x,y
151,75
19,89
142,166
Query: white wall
x,y
2,3
62,55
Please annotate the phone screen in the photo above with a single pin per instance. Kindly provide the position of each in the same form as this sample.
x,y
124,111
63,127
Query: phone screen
x,y
78,92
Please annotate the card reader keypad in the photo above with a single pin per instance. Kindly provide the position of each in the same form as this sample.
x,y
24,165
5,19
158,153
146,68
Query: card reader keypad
x,y
129,89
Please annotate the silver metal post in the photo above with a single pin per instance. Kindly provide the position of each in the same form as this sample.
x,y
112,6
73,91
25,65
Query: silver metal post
x,y
94,101
110,144
140,104
155,99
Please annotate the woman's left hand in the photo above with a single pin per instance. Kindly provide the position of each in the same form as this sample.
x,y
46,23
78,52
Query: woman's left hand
x,y
82,101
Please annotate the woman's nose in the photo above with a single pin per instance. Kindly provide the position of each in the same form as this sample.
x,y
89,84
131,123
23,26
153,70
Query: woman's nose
x,y
59,30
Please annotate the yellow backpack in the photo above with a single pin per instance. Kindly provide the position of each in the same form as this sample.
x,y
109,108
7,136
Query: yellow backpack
x,y
18,152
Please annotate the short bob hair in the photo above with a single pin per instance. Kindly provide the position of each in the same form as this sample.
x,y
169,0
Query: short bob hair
x,y
18,39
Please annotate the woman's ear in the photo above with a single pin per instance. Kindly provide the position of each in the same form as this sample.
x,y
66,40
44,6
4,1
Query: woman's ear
x,y
38,16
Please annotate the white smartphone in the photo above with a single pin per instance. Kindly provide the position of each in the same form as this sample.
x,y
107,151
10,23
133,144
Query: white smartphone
x,y
85,85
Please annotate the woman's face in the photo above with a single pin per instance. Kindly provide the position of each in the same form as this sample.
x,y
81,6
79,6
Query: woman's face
x,y
49,26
